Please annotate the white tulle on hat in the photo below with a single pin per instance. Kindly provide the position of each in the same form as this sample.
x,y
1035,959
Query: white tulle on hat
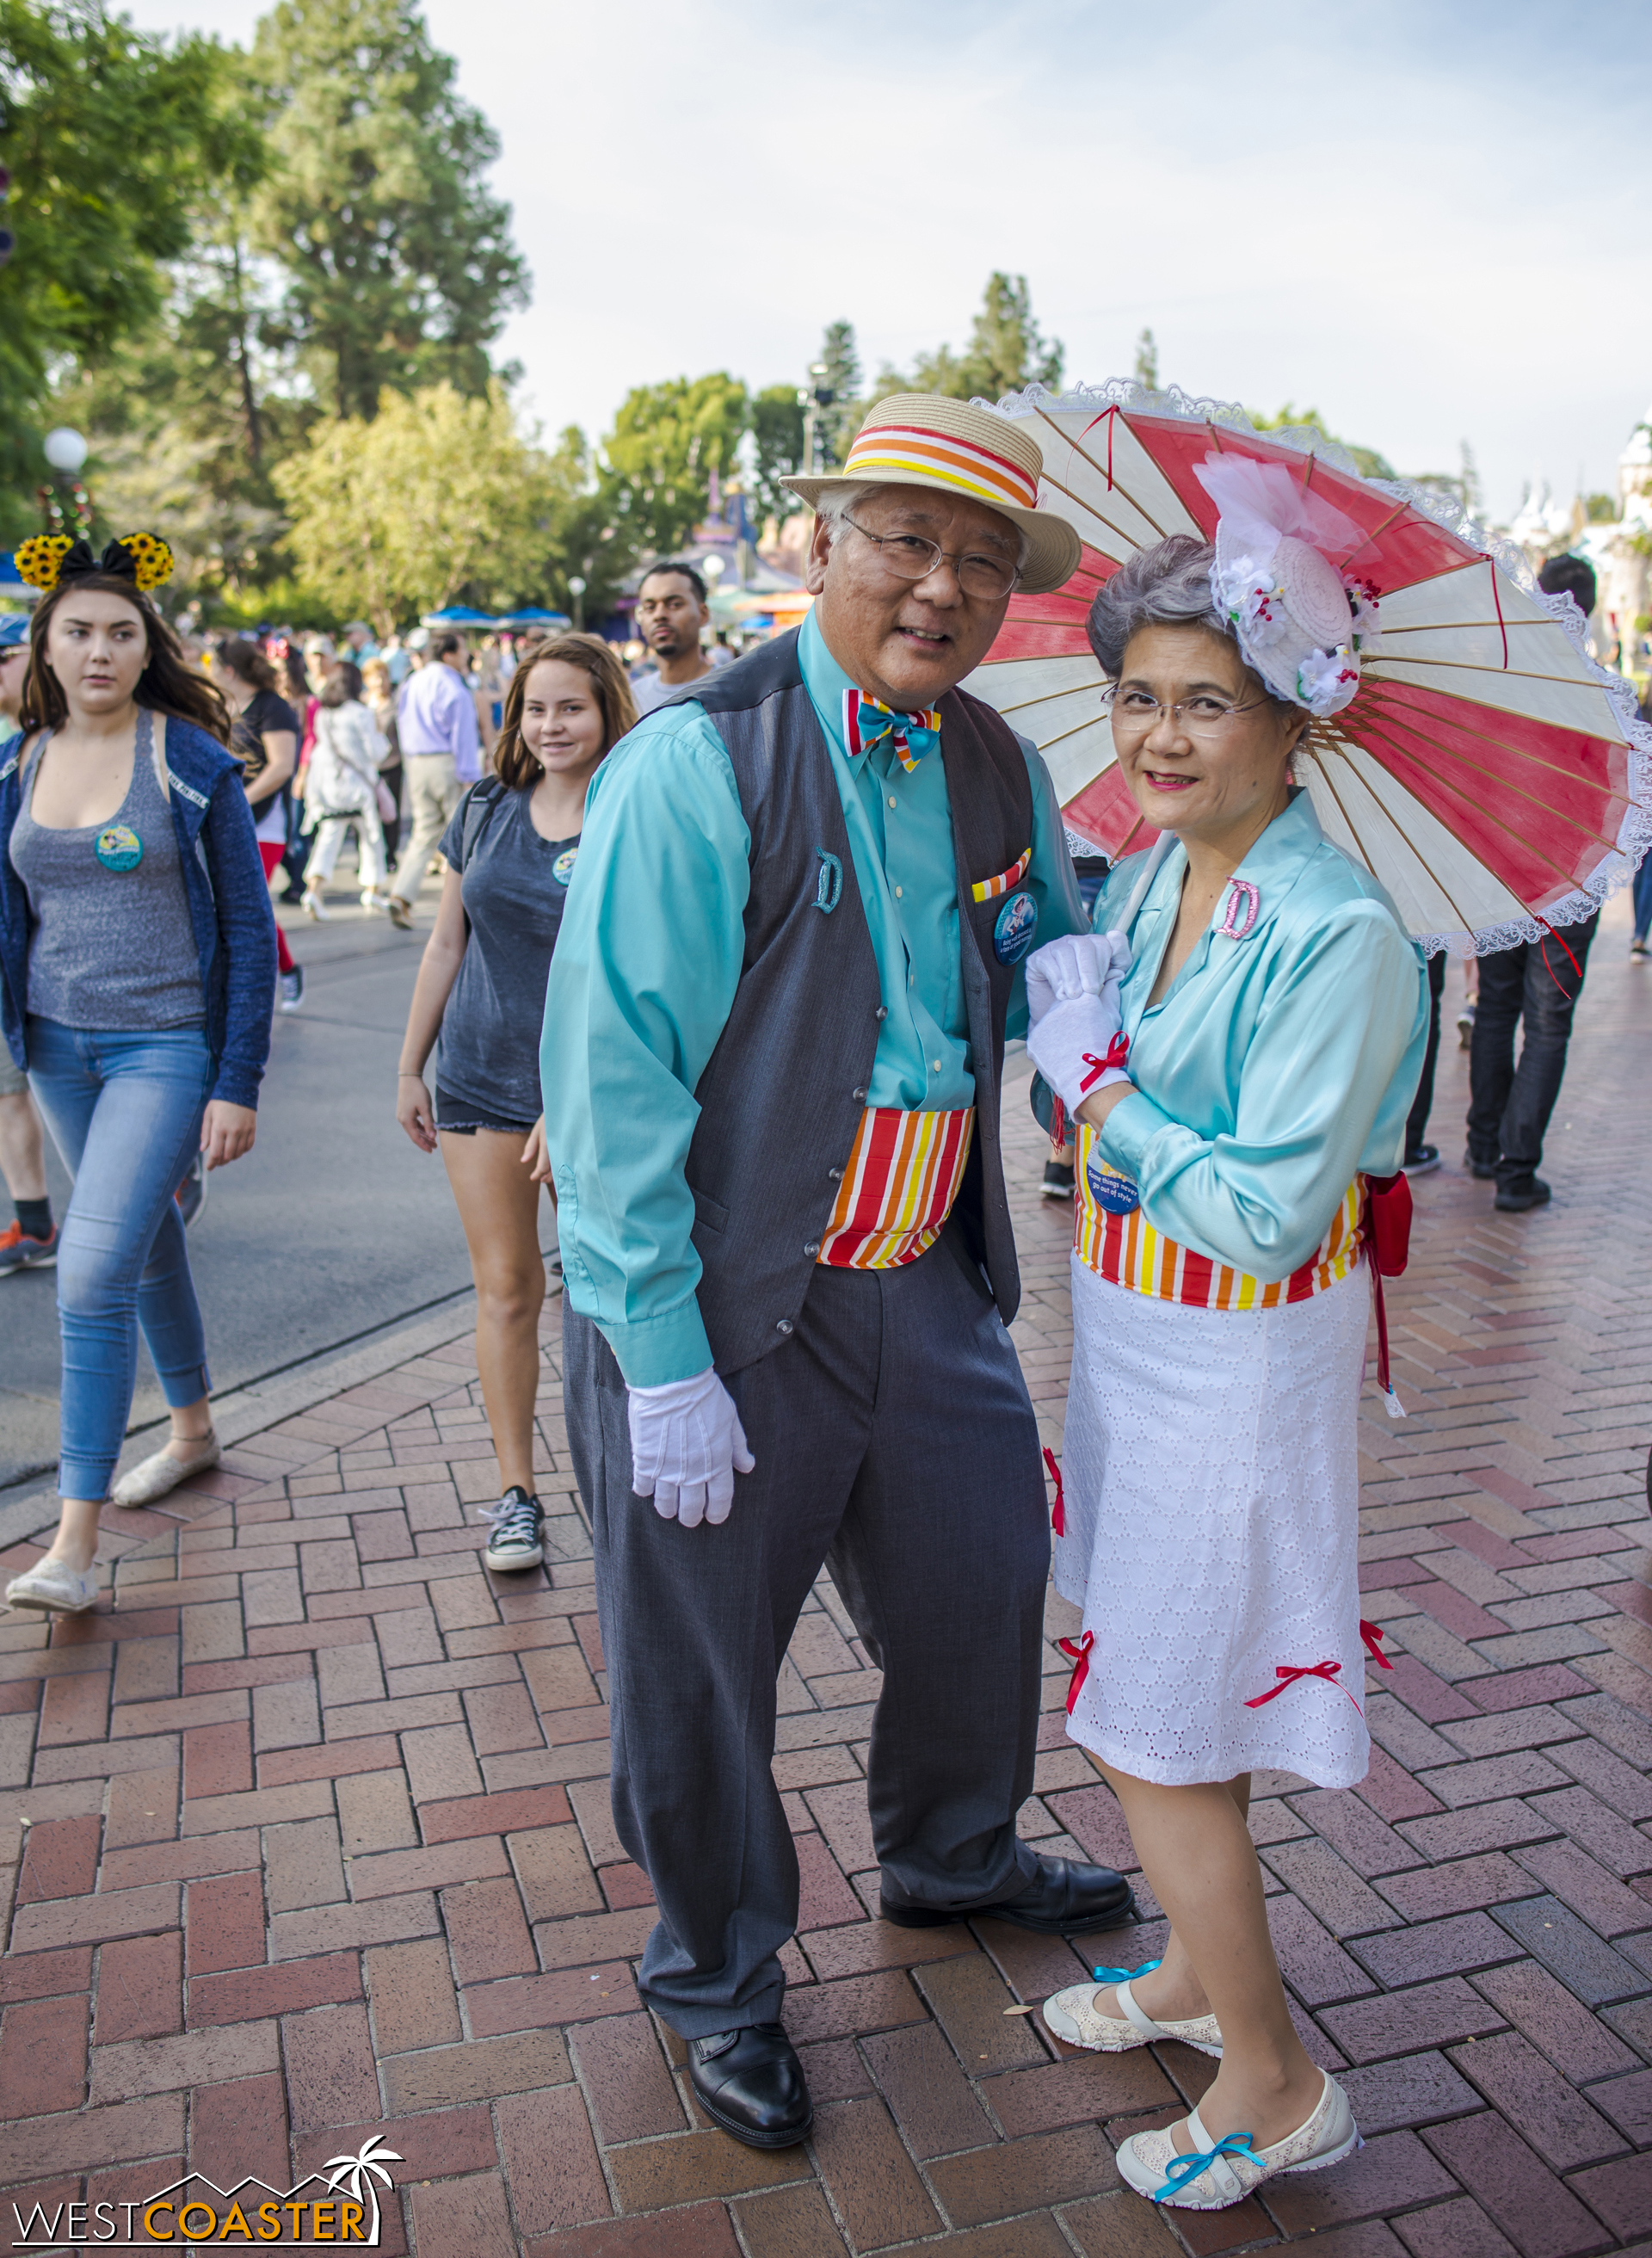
x,y
1281,575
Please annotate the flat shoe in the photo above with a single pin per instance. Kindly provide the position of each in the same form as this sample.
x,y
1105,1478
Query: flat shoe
x,y
53,1584
1218,2173
1073,2017
153,1477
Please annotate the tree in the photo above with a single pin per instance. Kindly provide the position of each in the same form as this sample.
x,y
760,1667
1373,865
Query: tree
x,y
1147,360
400,263
436,498
1006,351
666,440
581,530
776,431
111,136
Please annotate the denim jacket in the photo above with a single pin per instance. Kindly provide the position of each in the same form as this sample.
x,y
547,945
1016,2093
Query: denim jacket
x,y
229,911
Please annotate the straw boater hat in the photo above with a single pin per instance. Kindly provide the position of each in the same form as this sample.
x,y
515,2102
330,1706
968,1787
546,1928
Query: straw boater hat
x,y
923,439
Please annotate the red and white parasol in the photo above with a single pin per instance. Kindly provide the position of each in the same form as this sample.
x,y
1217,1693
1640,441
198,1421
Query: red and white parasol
x,y
1492,776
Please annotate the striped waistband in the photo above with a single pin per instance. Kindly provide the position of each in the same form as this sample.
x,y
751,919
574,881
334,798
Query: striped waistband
x,y
898,1186
1113,1237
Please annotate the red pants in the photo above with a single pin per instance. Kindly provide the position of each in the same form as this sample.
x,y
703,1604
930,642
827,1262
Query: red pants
x,y
273,850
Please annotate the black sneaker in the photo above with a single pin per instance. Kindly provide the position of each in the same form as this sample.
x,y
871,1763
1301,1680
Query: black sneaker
x,y
191,1194
1423,1162
1514,1199
1058,1180
291,985
1482,1170
517,1521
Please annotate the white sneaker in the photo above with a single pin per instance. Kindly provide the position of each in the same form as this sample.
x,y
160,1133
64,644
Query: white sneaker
x,y
1218,2173
153,1477
1073,2017
52,1584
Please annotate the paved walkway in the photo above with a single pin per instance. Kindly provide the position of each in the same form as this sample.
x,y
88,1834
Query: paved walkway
x,y
315,1840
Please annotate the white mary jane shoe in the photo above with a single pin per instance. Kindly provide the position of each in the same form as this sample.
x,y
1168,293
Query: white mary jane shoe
x,y
1072,2015
1218,2173
53,1587
153,1477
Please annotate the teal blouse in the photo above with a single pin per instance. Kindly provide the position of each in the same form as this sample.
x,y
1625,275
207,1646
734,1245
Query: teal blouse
x,y
643,979
1275,1069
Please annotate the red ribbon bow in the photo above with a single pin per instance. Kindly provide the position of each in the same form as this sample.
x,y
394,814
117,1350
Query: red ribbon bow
x,y
1058,1518
1288,1673
1117,1052
1081,1654
1373,1635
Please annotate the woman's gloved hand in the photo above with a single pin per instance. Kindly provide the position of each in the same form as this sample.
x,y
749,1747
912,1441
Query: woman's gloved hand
x,y
687,1445
1075,965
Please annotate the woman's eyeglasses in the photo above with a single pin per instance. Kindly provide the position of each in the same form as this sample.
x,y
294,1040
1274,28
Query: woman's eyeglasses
x,y
1136,712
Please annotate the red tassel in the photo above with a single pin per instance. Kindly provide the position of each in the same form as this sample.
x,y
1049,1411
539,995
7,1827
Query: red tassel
x,y
1058,1518
1058,1122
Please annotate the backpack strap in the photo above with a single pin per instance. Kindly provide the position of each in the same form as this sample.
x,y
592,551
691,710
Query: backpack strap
x,y
479,806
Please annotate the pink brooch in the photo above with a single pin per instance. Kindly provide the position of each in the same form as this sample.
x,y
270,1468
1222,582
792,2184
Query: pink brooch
x,y
1245,903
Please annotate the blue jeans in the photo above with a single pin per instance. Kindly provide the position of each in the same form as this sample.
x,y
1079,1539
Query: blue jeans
x,y
1644,899
124,1111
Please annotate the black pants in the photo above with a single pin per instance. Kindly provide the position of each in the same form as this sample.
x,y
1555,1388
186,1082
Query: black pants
x,y
896,1444
1509,1106
1422,1104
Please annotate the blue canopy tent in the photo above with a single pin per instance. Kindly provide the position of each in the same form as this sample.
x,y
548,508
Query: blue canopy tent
x,y
457,615
533,616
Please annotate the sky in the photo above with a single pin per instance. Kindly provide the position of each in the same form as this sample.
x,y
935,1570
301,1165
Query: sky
x,y
1430,222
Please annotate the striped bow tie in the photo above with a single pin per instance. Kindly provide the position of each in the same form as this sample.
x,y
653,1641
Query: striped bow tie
x,y
867,721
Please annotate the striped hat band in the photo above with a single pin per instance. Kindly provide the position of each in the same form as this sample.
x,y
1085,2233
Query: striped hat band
x,y
941,458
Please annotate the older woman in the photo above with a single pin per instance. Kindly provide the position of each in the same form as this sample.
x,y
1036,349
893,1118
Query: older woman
x,y
1239,1051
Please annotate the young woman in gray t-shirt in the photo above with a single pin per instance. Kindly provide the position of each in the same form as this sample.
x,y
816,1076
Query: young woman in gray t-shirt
x,y
510,849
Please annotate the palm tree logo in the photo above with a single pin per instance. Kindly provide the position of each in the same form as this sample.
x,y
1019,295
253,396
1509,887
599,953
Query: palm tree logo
x,y
356,2175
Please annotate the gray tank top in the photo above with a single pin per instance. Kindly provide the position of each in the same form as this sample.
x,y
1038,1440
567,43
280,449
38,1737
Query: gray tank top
x,y
112,945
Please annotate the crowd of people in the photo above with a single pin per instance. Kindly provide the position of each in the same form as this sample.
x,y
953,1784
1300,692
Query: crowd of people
x,y
723,964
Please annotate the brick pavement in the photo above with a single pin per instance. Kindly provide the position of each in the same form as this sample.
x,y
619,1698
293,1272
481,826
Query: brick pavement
x,y
307,1836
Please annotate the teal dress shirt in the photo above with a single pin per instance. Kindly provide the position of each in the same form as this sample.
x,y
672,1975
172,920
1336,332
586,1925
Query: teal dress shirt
x,y
1275,1069
647,962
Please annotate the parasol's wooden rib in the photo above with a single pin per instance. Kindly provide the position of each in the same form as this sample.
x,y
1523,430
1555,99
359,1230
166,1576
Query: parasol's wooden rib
x,y
1129,836
1466,925
1398,511
1573,884
1020,704
1076,731
1503,673
1514,791
1102,472
1380,697
1451,626
1090,510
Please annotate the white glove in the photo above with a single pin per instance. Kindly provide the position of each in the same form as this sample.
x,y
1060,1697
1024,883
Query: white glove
x,y
1075,965
687,1445
1073,1047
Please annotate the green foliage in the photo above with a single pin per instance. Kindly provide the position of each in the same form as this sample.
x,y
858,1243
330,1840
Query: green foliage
x,y
113,137
776,431
1146,371
581,529
1005,352
1367,461
1600,508
435,500
400,264
666,440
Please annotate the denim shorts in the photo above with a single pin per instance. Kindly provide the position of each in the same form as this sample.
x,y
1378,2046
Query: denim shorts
x,y
459,1116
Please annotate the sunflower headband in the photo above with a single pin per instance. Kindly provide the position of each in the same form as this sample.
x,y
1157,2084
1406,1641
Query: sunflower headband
x,y
51,557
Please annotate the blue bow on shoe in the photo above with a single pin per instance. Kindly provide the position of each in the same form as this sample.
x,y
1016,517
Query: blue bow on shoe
x,y
1181,2169
867,721
1126,1975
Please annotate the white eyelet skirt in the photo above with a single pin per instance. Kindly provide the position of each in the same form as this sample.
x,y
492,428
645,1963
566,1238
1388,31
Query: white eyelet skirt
x,y
1212,1484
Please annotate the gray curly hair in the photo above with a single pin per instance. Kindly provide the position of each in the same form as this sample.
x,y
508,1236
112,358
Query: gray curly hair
x,y
1167,585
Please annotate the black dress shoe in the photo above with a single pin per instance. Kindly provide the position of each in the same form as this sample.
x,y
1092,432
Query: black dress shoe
x,y
1514,1199
1484,1170
751,2082
1064,1899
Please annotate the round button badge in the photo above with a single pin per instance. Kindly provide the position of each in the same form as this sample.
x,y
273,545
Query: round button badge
x,y
1116,1194
118,848
1012,934
563,869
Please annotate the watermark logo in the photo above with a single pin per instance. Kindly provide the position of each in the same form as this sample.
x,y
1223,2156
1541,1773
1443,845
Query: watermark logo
x,y
196,2212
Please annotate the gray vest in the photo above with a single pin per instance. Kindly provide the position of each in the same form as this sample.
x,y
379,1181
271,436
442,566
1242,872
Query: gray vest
x,y
782,1093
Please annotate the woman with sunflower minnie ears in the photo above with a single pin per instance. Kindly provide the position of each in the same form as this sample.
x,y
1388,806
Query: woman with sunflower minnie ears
x,y
137,978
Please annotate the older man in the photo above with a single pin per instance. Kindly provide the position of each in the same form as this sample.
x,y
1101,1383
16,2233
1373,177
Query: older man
x,y
773,1045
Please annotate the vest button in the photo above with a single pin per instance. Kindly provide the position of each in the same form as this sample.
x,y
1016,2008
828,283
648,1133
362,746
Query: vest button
x,y
857,1095
783,1325
836,1174
812,1249
882,1012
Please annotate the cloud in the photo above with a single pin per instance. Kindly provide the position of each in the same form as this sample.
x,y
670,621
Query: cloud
x,y
1425,221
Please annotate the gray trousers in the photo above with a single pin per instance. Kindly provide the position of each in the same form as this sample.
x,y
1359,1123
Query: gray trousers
x,y
895,1444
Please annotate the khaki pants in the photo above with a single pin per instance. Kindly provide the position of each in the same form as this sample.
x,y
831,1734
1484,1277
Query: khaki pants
x,y
433,792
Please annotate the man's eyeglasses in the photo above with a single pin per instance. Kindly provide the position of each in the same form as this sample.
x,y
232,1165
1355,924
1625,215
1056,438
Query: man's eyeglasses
x,y
1136,712
908,556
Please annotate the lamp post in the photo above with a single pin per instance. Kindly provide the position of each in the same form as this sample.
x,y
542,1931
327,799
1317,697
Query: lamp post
x,y
576,590
65,450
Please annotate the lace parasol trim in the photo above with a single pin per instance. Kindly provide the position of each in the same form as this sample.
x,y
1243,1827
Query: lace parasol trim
x,y
1635,834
